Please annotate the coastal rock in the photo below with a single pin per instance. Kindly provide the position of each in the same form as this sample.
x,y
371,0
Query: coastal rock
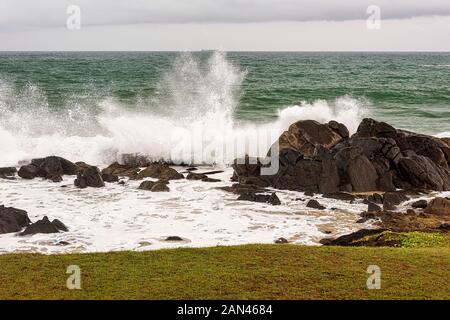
x,y
89,177
7,172
159,171
372,207
200,176
121,170
438,206
321,158
304,136
158,186
44,226
281,241
366,238
421,204
110,177
51,168
254,197
314,204
12,219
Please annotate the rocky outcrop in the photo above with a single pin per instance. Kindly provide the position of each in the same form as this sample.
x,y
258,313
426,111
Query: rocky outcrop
x,y
322,158
12,219
121,170
264,198
439,206
44,226
89,177
314,204
159,171
8,173
158,186
51,168
200,176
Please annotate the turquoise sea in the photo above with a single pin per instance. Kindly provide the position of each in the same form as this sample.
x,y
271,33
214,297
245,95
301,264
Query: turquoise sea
x,y
71,95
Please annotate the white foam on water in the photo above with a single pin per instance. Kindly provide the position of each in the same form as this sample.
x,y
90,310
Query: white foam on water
x,y
124,218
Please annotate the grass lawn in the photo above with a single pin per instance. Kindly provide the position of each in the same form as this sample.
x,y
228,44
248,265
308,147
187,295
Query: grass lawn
x,y
239,272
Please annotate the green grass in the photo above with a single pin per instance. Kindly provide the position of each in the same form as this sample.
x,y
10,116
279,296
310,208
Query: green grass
x,y
239,272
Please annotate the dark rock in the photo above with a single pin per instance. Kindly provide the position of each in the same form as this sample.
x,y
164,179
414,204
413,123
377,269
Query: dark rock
x,y
174,238
8,171
315,205
107,177
339,128
44,226
146,185
159,171
372,207
362,174
309,194
272,199
376,198
89,177
281,241
343,196
438,206
158,186
422,204
353,239
28,171
304,136
12,219
200,176
121,170
394,198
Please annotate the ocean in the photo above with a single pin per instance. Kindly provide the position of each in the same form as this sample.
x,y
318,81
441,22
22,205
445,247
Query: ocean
x,y
95,107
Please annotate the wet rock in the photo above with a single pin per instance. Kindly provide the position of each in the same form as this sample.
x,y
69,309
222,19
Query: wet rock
x,y
89,177
281,241
158,186
7,172
121,170
174,238
28,172
272,198
52,168
200,176
438,206
315,205
420,204
321,158
159,171
240,189
343,196
365,237
372,207
12,219
44,226
394,198
109,177
304,136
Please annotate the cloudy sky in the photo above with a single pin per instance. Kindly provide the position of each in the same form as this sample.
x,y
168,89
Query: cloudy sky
x,y
300,25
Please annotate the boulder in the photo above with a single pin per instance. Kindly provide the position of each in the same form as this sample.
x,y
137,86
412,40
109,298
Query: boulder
x,y
321,158
8,171
314,204
44,226
419,204
28,172
200,176
107,177
89,177
254,197
281,241
12,219
159,171
372,207
304,136
121,170
51,168
158,186
438,206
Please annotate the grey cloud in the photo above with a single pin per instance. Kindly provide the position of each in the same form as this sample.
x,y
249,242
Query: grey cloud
x,y
22,14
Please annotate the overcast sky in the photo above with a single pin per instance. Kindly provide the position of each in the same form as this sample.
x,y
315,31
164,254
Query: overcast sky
x,y
225,24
